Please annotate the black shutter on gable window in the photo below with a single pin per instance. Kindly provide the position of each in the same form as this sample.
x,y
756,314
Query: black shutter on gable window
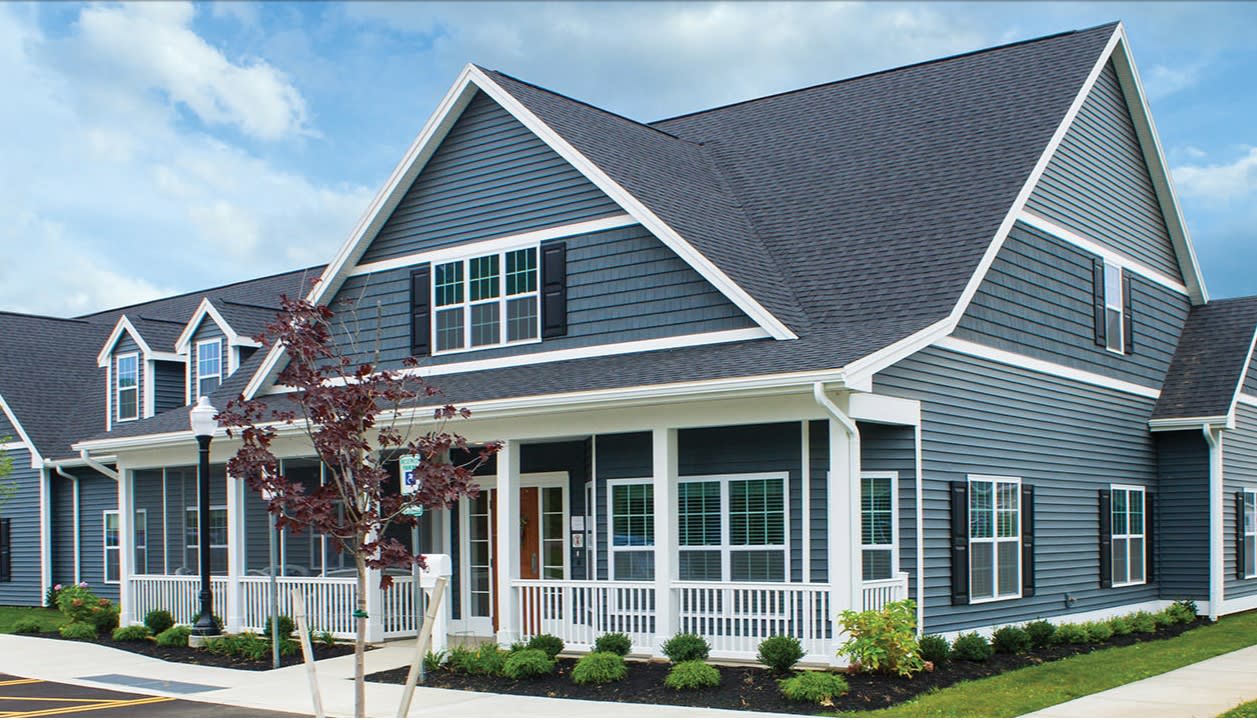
x,y
960,543
1106,538
6,550
1027,540
553,289
1097,298
1128,322
1241,562
1150,537
421,311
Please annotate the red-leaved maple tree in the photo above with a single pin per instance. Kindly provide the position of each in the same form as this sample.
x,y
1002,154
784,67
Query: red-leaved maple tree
x,y
356,417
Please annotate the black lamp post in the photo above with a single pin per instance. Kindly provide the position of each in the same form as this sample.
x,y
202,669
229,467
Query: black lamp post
x,y
203,425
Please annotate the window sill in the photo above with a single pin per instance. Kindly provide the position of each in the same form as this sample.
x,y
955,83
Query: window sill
x,y
465,350
1136,583
998,598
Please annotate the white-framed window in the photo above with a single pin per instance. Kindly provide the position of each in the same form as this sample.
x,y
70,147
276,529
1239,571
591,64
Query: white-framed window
x,y
209,366
1114,308
486,301
879,525
1250,532
217,534
139,561
127,379
113,547
631,515
733,528
1128,535
994,538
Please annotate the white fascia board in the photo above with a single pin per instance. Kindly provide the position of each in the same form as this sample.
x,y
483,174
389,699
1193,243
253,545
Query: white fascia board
x,y
1158,170
1060,232
1186,423
1239,386
36,458
884,409
860,372
123,325
150,389
184,343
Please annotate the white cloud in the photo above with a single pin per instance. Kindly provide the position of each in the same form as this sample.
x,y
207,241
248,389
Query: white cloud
x,y
1219,183
1162,81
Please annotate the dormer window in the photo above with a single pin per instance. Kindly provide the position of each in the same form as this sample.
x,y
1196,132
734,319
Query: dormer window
x,y
209,366
128,393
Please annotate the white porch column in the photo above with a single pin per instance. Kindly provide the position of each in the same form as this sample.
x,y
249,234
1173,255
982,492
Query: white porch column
x,y
45,531
846,589
126,547
507,550
233,606
664,469
375,607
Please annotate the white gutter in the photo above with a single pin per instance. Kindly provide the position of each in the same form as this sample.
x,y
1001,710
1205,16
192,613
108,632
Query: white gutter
x,y
835,544
93,464
78,561
1213,436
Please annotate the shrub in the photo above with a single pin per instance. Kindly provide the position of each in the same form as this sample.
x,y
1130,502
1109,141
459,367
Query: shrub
x,y
972,647
488,659
818,688
1184,610
686,646
327,638
548,644
599,667
692,675
158,621
528,663
884,640
131,633
174,636
287,646
81,605
1120,626
78,631
1071,634
50,596
617,643
935,649
780,652
1165,618
1142,622
1098,632
1041,633
460,658
517,646
26,626
434,660
286,626
1011,640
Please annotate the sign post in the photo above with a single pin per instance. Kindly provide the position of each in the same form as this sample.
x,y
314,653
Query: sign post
x,y
409,466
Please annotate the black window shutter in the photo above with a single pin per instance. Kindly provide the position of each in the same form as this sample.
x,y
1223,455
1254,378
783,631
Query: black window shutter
x,y
1128,323
1241,562
1097,294
1150,539
421,311
553,289
1027,540
1106,538
6,550
960,543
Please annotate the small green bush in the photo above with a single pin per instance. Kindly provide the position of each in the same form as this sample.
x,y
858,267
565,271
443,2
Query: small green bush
x,y
517,646
287,646
599,667
1041,633
548,644
174,636
1165,618
780,652
79,631
686,646
972,647
935,649
434,660
460,659
1142,622
27,626
1120,626
131,633
1071,634
159,621
617,643
692,675
488,659
818,688
1098,632
286,626
532,662
1183,610
1011,640
327,638
883,640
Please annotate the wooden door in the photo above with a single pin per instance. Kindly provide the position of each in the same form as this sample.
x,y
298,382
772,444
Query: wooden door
x,y
529,534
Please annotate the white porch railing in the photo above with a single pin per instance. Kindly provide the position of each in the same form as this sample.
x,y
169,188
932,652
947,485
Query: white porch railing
x,y
879,592
180,595
578,611
329,602
735,618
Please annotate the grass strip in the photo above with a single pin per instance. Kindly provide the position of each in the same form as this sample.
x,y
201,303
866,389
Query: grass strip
x,y
1034,688
1247,710
49,619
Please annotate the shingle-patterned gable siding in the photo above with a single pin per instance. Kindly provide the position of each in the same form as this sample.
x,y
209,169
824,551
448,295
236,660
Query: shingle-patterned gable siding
x,y
490,177
980,417
1182,515
1036,300
1239,472
622,285
1097,183
22,510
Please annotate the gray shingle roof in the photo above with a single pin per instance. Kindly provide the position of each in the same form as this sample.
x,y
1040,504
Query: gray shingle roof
x,y
1209,362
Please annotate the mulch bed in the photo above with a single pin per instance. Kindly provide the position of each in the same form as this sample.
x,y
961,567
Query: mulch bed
x,y
755,688
197,656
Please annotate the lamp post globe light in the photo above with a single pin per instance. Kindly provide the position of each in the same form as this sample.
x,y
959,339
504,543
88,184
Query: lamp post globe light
x,y
203,426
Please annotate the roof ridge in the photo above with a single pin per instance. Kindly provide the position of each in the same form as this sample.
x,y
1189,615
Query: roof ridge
x,y
36,316
149,318
875,73
203,292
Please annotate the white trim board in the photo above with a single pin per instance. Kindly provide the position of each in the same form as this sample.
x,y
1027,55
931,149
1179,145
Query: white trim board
x,y
1239,386
36,458
123,325
1246,399
183,344
1026,362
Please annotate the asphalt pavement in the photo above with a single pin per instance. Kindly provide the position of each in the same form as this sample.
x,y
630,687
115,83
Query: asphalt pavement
x,y
31,698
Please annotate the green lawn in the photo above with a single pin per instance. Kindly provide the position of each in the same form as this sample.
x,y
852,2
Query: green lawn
x,y
49,619
1247,710
1033,688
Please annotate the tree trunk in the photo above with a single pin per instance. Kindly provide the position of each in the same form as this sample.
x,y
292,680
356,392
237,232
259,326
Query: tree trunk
x,y
360,641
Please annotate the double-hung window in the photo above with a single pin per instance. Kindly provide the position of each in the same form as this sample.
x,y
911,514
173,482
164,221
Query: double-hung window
x,y
209,366
1249,520
486,301
877,525
994,538
1128,535
113,546
733,528
632,514
217,537
127,398
1114,308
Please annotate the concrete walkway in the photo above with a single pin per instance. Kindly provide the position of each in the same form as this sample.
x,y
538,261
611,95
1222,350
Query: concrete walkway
x,y
286,689
1206,689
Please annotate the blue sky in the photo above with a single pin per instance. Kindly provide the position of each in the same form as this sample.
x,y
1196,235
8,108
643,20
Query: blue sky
x,y
158,148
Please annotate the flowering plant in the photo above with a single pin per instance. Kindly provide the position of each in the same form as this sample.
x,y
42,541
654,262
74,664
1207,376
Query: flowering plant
x,y
81,605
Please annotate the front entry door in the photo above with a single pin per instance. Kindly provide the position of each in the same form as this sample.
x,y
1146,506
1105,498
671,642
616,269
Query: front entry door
x,y
529,534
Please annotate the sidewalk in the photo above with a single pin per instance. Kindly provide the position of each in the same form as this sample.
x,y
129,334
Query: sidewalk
x,y
286,689
1206,689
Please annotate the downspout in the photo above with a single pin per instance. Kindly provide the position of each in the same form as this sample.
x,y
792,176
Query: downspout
x,y
1216,581
78,561
102,469
853,459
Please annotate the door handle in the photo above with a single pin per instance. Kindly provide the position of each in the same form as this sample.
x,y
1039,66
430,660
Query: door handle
x,y
534,563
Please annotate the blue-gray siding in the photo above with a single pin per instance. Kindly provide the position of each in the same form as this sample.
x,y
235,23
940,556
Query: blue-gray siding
x,y
892,448
1182,515
1067,439
148,494
626,455
62,530
126,345
574,459
97,494
490,177
1239,471
1097,183
1036,300
207,330
168,385
22,510
1250,386
622,285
